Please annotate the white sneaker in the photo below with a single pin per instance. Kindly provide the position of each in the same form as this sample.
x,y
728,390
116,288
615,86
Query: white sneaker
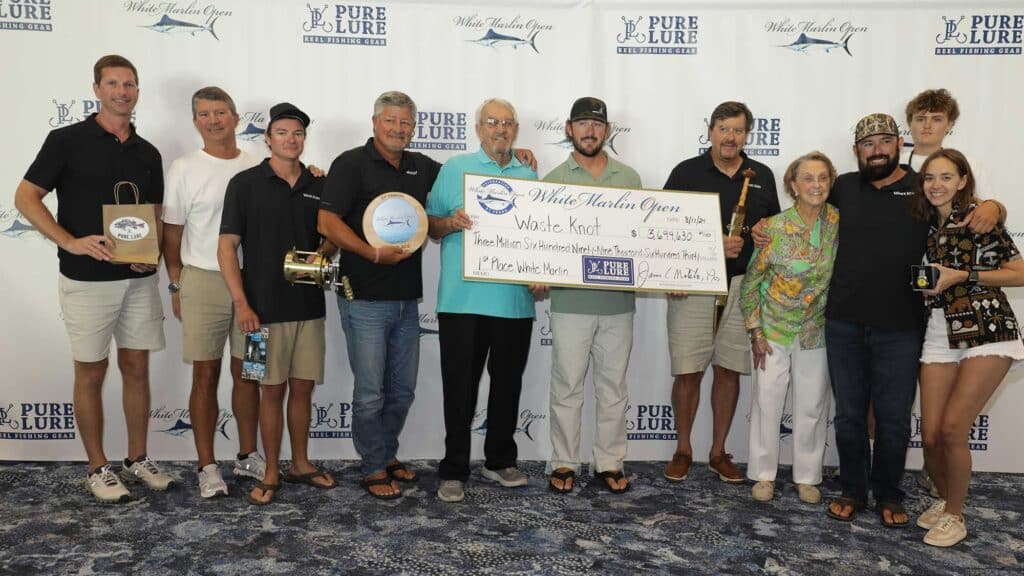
x,y
451,491
763,490
106,486
508,477
211,482
947,532
930,517
145,470
253,466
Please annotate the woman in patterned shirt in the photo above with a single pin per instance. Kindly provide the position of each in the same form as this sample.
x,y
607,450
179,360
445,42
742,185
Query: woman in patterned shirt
x,y
783,300
972,336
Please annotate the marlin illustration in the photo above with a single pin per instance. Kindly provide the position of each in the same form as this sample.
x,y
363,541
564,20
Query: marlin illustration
x,y
251,132
17,228
785,430
428,331
397,221
805,44
609,144
491,199
482,429
492,39
125,224
181,427
169,25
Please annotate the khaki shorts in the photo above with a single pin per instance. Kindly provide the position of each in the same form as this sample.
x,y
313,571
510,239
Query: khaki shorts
x,y
128,310
207,315
690,343
294,350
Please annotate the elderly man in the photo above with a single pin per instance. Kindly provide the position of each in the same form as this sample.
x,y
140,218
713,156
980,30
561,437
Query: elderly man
x,y
590,327
692,343
196,184
479,321
100,299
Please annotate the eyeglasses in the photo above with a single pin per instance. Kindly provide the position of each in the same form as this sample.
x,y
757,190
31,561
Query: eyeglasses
x,y
494,123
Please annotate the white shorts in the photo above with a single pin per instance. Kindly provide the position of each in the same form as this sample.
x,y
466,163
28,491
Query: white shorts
x,y
129,310
936,348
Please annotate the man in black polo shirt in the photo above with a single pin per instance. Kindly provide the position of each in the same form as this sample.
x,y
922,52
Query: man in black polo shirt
x,y
382,324
99,299
874,320
692,344
268,210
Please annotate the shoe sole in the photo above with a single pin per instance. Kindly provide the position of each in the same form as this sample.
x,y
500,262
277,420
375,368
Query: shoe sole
x,y
119,500
944,544
493,477
674,478
926,525
725,478
247,474
450,499
217,493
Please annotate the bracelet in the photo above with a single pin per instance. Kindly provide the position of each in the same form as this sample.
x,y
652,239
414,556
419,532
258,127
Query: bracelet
x,y
376,254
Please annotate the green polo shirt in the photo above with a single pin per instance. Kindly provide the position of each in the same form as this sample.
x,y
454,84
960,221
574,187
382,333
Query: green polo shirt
x,y
583,301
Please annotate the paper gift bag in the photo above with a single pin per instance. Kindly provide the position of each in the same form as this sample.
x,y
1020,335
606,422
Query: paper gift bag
x,y
133,229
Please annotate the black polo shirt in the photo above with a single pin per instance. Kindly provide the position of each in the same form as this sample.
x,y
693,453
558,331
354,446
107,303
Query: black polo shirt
x,y
83,162
358,176
699,174
878,243
272,218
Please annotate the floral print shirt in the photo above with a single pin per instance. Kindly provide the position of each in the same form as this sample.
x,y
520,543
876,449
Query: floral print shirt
x,y
786,284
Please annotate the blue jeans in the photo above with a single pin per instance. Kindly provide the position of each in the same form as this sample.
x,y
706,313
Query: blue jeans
x,y
880,366
383,342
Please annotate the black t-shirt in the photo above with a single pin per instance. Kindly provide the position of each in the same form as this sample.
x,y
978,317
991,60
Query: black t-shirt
x,y
699,174
878,243
83,162
358,176
272,218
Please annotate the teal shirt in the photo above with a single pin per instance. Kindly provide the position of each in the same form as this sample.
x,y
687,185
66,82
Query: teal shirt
x,y
454,294
586,301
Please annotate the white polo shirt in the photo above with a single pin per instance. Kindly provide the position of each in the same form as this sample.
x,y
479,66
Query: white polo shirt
x,y
194,198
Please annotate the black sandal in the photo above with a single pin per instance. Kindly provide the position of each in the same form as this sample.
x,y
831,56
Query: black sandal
x,y
613,475
893,508
392,468
844,502
565,477
366,483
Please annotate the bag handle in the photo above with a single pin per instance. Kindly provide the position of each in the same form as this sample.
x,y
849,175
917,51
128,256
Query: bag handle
x,y
117,189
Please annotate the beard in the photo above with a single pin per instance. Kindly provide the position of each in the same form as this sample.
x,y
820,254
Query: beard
x,y
578,146
874,172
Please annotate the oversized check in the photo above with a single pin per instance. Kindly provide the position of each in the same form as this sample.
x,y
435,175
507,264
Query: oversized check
x,y
532,232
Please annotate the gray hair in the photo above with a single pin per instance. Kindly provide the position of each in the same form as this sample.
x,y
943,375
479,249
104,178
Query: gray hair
x,y
499,101
394,98
212,93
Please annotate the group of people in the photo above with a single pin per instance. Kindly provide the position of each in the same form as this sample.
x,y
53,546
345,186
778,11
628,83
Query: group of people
x,y
818,293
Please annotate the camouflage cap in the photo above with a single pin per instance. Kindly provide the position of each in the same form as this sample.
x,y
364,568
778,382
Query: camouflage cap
x,y
874,124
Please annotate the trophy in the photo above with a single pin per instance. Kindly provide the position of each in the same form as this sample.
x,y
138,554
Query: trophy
x,y
739,215
395,219
313,268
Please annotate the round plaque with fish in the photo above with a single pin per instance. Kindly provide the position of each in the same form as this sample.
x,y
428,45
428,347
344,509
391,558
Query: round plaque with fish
x,y
395,219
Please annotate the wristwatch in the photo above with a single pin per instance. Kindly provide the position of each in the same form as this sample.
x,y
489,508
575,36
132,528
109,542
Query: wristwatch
x,y
972,277
173,287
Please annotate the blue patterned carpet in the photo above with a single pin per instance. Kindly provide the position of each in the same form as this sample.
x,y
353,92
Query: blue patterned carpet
x,y
51,525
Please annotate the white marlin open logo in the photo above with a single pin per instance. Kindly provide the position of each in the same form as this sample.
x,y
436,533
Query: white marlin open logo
x,y
497,32
811,36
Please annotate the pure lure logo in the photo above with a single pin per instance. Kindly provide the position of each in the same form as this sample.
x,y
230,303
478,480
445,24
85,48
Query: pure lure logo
x,y
977,438
764,138
193,19
37,421
544,326
554,134
437,130
31,15
346,24
668,34
980,35
501,33
67,112
331,422
650,422
813,36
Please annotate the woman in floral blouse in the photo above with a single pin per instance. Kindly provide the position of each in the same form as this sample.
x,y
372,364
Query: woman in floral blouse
x,y
972,336
783,299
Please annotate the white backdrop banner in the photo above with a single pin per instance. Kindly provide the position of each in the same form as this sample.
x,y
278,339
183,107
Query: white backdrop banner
x,y
808,70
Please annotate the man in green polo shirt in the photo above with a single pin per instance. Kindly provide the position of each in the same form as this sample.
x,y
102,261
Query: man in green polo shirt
x,y
587,324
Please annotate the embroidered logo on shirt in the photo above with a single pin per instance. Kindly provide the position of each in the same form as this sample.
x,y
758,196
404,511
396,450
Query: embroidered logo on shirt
x,y
310,196
412,172
902,192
